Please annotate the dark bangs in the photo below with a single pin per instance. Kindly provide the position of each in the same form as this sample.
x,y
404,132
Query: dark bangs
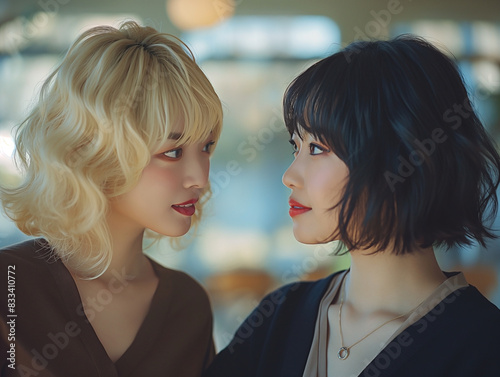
x,y
309,103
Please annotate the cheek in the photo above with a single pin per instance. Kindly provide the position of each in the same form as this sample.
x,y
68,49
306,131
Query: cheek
x,y
326,188
156,176
206,167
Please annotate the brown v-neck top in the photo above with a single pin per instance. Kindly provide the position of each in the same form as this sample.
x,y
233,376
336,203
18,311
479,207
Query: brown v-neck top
x,y
45,332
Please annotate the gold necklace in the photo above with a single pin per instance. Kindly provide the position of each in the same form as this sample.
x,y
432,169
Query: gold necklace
x,y
345,350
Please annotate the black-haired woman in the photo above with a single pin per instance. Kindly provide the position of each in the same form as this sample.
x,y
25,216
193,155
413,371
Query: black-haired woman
x,y
391,160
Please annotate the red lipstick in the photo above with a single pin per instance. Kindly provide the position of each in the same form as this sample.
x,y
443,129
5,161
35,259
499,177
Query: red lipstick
x,y
296,208
186,208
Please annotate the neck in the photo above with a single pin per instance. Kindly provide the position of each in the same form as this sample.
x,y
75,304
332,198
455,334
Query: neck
x,y
128,259
387,282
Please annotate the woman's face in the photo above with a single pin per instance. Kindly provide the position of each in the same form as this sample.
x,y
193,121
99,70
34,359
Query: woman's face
x,y
317,178
165,197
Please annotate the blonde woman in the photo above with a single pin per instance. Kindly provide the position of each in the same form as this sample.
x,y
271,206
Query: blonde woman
x,y
118,143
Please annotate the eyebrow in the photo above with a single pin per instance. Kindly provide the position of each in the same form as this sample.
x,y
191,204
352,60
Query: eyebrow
x,y
178,135
174,135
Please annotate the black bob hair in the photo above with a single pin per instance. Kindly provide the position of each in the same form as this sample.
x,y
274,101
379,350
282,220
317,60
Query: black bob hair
x,y
422,169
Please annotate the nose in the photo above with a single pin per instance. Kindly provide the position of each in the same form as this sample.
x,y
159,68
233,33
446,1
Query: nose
x,y
291,177
196,172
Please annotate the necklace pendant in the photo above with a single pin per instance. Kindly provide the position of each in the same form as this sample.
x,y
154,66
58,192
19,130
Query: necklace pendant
x,y
343,353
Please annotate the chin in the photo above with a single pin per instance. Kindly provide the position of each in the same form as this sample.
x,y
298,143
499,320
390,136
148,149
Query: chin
x,y
180,232
308,237
303,238
177,232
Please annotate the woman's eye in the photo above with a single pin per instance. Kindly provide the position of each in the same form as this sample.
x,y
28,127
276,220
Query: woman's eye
x,y
208,148
174,153
315,149
295,149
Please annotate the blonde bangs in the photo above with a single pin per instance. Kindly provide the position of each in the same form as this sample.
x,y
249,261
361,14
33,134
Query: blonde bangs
x,y
181,101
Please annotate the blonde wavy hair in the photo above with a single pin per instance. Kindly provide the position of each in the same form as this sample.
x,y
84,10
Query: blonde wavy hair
x,y
101,113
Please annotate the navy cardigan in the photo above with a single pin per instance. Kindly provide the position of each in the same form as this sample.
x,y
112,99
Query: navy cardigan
x,y
459,337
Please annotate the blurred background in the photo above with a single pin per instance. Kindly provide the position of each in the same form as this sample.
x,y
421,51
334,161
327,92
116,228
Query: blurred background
x,y
251,50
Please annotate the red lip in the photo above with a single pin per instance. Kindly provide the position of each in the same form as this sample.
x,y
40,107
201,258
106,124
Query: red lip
x,y
296,208
190,201
186,208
